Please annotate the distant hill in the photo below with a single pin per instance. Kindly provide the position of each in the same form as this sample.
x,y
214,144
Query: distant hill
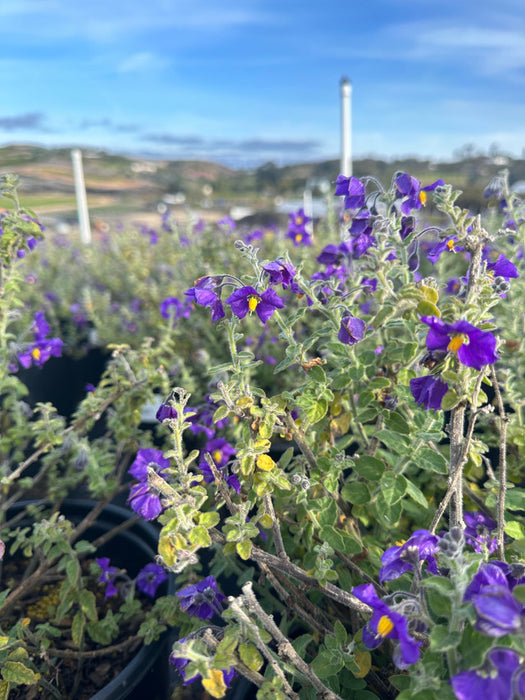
x,y
119,184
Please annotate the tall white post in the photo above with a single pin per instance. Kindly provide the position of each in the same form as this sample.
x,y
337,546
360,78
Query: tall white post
x,y
80,190
346,127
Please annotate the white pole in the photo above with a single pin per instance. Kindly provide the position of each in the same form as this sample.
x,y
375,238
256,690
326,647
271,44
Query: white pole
x,y
346,128
80,190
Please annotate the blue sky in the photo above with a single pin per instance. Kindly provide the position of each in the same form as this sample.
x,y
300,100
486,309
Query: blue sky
x,y
246,81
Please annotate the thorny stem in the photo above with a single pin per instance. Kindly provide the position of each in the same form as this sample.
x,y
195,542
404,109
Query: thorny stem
x,y
285,648
502,464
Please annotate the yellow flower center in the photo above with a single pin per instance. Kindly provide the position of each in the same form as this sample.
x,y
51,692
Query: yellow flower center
x,y
298,220
456,342
252,302
400,542
298,237
384,626
450,244
36,354
217,456
423,197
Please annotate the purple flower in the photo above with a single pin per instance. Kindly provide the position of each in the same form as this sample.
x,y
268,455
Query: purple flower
x,y
386,623
434,252
498,612
204,293
246,300
40,326
408,225
39,352
149,578
172,308
488,575
428,391
107,576
361,223
503,267
409,188
228,223
201,599
353,190
221,451
397,560
494,679
352,330
361,243
477,532
331,254
474,347
145,457
280,272
297,228
144,502
181,663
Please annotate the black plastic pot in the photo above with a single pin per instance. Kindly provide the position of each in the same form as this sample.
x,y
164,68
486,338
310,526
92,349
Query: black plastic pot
x,y
147,674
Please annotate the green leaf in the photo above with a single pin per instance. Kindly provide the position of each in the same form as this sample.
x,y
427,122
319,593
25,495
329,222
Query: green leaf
x,y
364,398
73,571
199,535
88,604
514,529
340,632
209,520
316,375
515,499
250,656
432,461
340,540
442,640
244,549
77,628
369,468
416,494
393,487
318,411
327,664
17,672
221,413
395,421
356,492
328,512
4,690
519,592
393,441
450,400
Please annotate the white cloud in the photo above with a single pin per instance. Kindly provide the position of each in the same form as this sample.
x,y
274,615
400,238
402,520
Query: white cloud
x,y
140,62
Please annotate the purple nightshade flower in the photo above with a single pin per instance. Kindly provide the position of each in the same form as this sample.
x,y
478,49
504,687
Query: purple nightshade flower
x,y
40,326
297,228
280,272
204,294
498,612
107,576
228,223
477,532
361,243
503,267
351,331
39,352
181,663
149,578
434,252
386,623
488,575
408,226
141,498
246,300
253,236
453,285
493,679
221,451
473,347
143,501
409,188
201,599
353,190
172,309
397,560
428,391
331,254
361,223
145,457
